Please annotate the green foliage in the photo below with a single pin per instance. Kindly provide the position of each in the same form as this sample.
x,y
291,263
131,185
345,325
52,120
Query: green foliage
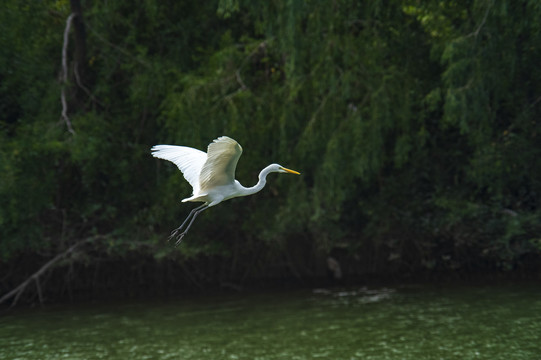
x,y
414,125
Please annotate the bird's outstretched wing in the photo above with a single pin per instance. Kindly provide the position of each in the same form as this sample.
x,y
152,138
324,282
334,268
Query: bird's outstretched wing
x,y
219,169
189,160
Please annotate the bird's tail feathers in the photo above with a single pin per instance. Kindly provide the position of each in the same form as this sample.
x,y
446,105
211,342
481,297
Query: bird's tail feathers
x,y
198,197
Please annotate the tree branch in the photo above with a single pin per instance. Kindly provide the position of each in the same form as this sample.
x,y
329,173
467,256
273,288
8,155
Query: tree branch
x,y
82,86
64,75
480,26
18,291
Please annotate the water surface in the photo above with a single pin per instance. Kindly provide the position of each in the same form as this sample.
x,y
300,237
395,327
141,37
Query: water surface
x,y
419,322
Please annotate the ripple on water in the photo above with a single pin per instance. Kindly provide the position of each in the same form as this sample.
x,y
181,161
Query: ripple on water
x,y
351,323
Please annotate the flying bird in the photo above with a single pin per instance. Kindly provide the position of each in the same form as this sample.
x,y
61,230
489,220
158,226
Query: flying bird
x,y
211,175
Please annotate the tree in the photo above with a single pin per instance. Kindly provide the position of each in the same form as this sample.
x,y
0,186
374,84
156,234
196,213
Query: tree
x,y
413,123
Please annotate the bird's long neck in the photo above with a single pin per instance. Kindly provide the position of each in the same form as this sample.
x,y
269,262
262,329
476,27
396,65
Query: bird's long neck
x,y
260,184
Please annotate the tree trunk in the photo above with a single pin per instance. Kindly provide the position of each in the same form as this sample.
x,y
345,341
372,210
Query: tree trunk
x,y
79,53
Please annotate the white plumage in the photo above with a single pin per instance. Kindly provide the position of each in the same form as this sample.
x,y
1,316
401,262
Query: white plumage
x,y
211,174
190,161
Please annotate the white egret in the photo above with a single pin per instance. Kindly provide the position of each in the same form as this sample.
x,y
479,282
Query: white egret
x,y
211,175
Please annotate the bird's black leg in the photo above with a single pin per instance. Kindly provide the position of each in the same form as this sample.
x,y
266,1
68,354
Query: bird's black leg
x,y
193,214
177,230
179,238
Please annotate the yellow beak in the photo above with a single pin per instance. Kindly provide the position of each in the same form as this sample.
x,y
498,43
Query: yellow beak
x,y
290,171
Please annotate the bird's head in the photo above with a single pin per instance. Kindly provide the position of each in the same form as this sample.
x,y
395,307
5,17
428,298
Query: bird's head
x,y
281,169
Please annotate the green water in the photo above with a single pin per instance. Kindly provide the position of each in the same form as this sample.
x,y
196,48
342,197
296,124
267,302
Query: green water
x,y
466,322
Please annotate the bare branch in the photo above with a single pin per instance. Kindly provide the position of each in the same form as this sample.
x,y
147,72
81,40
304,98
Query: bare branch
x,y
64,74
81,85
239,80
476,32
18,291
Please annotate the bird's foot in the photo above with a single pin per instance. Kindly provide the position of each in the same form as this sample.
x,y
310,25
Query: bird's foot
x,y
179,239
175,234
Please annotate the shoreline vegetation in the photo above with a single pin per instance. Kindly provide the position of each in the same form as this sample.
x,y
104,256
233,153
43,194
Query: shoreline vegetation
x,y
66,279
